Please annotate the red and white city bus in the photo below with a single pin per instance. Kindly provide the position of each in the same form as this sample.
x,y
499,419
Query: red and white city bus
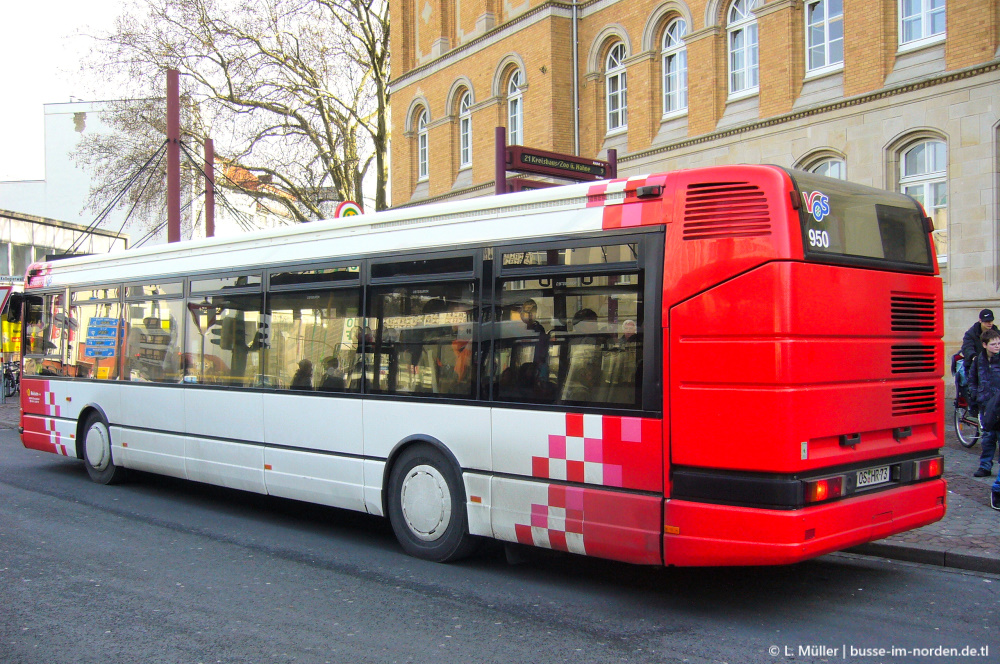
x,y
736,365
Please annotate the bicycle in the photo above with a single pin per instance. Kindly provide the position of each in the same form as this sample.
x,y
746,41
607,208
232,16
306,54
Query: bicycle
x,y
967,426
11,379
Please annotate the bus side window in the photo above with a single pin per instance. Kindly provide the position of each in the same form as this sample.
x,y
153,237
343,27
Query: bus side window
x,y
571,340
317,329
94,331
153,341
45,333
224,339
423,339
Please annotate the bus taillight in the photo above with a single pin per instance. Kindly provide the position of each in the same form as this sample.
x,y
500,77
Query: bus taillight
x,y
928,468
823,489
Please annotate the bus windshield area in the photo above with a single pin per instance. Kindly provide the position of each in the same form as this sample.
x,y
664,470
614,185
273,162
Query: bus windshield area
x,y
843,222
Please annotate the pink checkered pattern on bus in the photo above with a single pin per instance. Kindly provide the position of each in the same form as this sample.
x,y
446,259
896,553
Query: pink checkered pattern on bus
x,y
627,211
609,450
557,525
42,431
51,407
604,451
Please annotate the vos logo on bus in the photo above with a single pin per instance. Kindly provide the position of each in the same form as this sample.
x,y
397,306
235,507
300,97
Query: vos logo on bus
x,y
818,204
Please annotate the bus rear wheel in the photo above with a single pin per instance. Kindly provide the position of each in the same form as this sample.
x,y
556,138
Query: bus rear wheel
x,y
97,452
427,506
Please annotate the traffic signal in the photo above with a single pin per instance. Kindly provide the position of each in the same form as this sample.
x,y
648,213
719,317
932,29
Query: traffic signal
x,y
224,334
264,332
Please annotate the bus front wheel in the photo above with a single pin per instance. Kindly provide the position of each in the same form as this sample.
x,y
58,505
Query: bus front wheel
x,y
426,506
97,452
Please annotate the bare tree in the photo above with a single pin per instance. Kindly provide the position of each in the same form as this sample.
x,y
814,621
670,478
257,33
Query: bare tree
x,y
294,93
366,27
130,166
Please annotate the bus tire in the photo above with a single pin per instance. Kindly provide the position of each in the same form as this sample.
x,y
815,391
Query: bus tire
x,y
427,506
97,454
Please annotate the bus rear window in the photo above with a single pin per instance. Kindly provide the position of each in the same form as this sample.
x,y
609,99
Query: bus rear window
x,y
843,222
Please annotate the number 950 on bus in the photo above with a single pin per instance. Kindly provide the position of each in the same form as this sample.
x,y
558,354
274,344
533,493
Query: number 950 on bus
x,y
819,239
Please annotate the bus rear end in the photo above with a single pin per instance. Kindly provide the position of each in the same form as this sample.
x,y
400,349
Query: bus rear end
x,y
803,380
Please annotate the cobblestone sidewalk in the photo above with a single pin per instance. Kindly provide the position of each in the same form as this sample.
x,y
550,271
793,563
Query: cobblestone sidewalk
x,y
969,534
10,414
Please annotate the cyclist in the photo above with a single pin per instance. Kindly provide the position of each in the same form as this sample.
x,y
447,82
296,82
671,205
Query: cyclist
x,y
972,341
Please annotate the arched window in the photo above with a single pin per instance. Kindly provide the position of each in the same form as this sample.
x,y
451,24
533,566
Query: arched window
x,y
675,85
743,56
422,146
616,88
831,168
465,130
515,110
824,34
924,175
921,19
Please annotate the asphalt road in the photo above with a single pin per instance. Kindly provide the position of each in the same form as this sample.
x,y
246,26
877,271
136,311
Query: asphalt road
x,y
162,570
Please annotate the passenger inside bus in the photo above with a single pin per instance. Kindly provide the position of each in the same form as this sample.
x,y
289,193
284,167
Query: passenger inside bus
x,y
529,316
333,377
586,352
593,358
302,380
424,341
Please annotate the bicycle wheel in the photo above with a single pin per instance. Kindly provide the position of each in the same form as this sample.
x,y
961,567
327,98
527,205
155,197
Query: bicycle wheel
x,y
966,427
10,386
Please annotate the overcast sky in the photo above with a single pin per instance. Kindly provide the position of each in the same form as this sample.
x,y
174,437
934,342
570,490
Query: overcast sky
x,y
40,48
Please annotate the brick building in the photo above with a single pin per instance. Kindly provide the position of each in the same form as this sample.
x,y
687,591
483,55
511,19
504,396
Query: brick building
x,y
897,94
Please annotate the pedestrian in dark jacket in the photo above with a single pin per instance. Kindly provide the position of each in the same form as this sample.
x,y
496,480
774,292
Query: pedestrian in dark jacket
x,y
972,341
988,378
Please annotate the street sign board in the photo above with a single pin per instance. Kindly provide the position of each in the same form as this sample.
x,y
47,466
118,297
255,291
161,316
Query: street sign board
x,y
530,160
102,337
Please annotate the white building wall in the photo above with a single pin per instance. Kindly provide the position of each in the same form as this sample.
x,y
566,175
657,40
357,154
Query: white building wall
x,y
63,193
27,238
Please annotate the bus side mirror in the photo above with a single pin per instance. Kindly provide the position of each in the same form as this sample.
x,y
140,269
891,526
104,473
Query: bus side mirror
x,y
14,306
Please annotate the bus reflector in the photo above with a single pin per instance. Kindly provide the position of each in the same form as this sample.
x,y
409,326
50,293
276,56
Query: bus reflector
x,y
267,466
824,489
929,468
476,499
672,530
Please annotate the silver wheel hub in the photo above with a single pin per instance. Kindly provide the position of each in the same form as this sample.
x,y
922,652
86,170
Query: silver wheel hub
x,y
97,446
426,502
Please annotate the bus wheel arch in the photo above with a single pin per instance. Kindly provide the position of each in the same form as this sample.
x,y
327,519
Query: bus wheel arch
x,y
94,446
424,498
81,422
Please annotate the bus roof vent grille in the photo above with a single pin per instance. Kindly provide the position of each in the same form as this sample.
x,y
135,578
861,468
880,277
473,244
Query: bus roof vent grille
x,y
913,400
913,313
725,210
917,358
